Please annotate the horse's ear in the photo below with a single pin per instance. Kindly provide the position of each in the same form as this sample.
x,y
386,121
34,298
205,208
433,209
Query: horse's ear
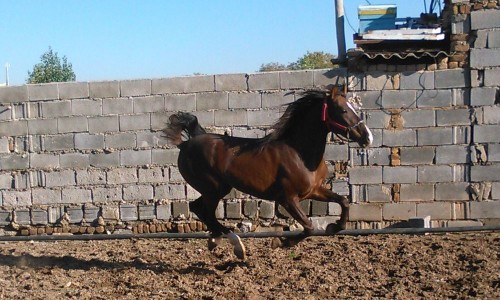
x,y
335,91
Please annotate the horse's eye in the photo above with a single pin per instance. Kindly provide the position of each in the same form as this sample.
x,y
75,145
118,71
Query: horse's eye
x,y
344,111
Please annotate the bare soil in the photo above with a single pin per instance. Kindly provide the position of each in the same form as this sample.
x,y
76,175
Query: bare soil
x,y
440,266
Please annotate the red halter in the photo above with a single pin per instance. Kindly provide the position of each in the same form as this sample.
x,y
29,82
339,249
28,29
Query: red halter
x,y
329,122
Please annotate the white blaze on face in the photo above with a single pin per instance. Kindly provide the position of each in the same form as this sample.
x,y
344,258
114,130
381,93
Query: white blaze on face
x,y
370,135
352,108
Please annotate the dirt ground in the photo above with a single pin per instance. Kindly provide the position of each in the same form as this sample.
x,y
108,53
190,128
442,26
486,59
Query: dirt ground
x,y
452,266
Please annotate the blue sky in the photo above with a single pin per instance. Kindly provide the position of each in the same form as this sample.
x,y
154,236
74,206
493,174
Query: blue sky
x,y
117,40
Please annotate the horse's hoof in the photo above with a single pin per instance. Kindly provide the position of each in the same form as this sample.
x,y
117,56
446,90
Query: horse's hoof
x,y
213,243
276,243
240,253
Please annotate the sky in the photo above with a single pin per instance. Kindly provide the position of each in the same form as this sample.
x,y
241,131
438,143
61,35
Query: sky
x,y
125,39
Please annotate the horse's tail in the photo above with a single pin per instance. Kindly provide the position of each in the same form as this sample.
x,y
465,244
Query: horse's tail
x,y
181,127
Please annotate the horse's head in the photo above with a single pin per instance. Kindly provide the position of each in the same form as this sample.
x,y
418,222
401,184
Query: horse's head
x,y
341,118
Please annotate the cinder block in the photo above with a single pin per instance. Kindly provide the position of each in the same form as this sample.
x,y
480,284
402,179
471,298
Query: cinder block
x,y
128,212
231,82
135,122
486,133
264,81
460,24
164,211
418,118
417,192
485,173
85,141
180,102
495,191
453,117
153,175
17,198
491,77
122,175
135,157
452,154
91,177
76,195
265,117
39,217
375,193
229,118
485,19
250,208
437,210
365,212
91,213
417,155
22,216
417,81
147,212
494,152
164,156
405,137
494,39
104,89
378,81
117,106
399,211
60,178
233,210
46,196
451,78
441,173
208,101
58,142
276,99
120,140
491,115
150,104
266,209
365,175
296,79
72,124
140,87
73,90
434,98
14,94
483,96
326,77
485,210
171,191
44,91
56,109
244,100
86,107
399,99
41,161
379,156
434,136
106,195
42,126
137,192
180,209
399,174
336,152
484,58
6,181
319,208
103,124
5,217
455,191
248,132
189,84
105,160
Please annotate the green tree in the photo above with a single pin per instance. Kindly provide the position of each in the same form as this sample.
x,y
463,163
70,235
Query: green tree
x,y
273,66
310,60
51,69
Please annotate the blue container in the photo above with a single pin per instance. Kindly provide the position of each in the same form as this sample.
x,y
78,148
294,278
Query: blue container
x,y
376,17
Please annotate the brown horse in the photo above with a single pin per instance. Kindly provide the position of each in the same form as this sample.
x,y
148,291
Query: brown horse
x,y
286,166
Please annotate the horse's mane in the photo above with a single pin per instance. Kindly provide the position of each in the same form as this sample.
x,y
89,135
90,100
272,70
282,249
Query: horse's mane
x,y
294,114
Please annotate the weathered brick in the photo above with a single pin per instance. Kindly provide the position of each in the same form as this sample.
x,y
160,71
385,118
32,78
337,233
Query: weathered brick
x,y
117,106
233,210
39,217
244,100
90,177
250,208
266,209
264,81
60,178
46,196
399,174
452,154
417,192
140,87
231,82
189,84
486,133
417,155
76,195
153,175
128,212
452,78
434,136
22,216
405,137
106,195
104,89
122,175
399,99
86,107
171,191
439,173
418,118
44,91
436,210
484,58
164,211
73,90
365,175
90,213
417,80
17,198
296,79
55,214
147,212
137,192
483,96
399,211
149,104
452,191
365,212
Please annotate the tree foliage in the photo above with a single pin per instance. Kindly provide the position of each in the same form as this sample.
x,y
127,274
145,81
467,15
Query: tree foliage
x,y
310,60
51,69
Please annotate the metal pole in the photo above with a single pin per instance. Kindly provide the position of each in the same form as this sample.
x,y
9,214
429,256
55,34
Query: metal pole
x,y
204,235
339,24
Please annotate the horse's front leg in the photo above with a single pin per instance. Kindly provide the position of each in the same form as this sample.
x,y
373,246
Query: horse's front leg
x,y
324,194
296,212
